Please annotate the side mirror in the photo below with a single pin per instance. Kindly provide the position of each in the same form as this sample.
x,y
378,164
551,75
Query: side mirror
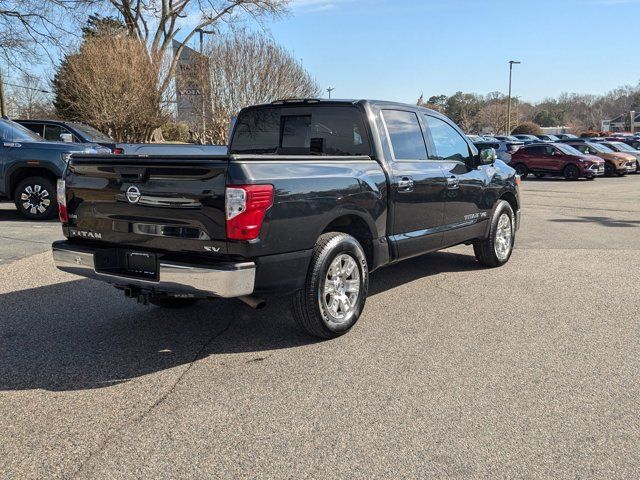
x,y
66,138
487,156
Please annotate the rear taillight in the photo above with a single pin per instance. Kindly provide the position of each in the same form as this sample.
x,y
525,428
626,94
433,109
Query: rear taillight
x,y
245,208
117,151
61,194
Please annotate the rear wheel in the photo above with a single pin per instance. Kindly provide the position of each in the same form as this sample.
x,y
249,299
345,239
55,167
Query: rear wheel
x,y
35,198
522,170
496,249
571,172
336,287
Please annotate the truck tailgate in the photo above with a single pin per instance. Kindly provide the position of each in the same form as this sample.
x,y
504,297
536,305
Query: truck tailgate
x,y
162,203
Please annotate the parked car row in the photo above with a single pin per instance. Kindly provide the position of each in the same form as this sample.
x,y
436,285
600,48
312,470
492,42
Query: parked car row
x,y
570,156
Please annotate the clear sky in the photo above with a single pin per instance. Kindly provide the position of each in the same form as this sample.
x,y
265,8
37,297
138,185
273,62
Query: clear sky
x,y
396,49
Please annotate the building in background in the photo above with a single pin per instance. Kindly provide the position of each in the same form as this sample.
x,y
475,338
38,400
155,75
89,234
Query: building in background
x,y
621,123
193,88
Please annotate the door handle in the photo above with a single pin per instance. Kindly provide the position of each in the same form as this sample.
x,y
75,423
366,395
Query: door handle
x,y
452,182
405,184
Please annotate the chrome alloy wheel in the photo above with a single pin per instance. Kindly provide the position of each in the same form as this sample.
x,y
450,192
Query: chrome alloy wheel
x,y
504,237
341,290
35,199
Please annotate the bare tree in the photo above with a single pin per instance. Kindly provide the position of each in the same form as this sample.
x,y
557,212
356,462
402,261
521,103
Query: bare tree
x,y
28,98
155,23
29,28
250,68
112,84
493,113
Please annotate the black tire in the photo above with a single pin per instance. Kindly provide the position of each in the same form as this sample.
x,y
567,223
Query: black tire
x,y
591,178
571,172
486,250
35,198
522,170
310,305
540,175
172,302
609,169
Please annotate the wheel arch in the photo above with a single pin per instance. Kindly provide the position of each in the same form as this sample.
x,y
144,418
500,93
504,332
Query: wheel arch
x,y
510,198
359,227
18,174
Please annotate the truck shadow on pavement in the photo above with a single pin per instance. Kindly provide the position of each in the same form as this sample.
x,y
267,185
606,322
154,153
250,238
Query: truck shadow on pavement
x,y
84,334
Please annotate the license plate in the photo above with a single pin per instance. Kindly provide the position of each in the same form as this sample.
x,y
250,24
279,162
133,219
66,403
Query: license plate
x,y
141,264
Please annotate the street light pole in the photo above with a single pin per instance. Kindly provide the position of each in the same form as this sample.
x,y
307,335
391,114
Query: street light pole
x,y
511,63
330,89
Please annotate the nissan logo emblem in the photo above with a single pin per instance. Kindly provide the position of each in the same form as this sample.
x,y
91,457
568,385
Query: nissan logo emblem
x,y
133,194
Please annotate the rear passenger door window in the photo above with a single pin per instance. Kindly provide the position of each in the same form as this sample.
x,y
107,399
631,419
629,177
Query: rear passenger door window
x,y
35,127
448,142
405,135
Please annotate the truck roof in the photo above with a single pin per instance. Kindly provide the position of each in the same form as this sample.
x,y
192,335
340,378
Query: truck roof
x,y
342,101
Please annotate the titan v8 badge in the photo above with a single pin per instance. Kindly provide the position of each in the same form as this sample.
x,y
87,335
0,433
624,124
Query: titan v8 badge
x,y
475,216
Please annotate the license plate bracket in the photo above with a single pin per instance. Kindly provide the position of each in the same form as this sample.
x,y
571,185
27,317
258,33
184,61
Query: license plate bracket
x,y
127,263
142,265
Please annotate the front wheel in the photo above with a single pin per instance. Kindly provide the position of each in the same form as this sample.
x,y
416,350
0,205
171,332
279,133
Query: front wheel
x,y
336,287
571,172
609,169
496,249
35,198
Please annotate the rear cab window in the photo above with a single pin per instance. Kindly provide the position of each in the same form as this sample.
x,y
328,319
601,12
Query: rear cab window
x,y
334,130
405,135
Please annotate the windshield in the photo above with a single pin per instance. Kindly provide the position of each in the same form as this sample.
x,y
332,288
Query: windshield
x,y
568,149
301,130
14,132
91,133
622,147
553,138
598,147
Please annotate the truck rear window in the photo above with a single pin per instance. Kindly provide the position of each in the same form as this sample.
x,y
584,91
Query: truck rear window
x,y
301,130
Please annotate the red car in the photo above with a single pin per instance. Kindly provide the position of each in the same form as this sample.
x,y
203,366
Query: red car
x,y
556,159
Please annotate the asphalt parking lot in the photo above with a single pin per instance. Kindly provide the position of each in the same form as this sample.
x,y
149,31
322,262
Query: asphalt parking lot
x,y
527,371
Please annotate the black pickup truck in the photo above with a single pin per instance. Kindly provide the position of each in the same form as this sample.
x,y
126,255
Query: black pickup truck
x,y
312,197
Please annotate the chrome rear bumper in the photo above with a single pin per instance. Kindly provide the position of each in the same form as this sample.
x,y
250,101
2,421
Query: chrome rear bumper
x,y
225,279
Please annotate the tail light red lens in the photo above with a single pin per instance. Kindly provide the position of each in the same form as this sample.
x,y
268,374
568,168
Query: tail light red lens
x,y
117,151
61,195
246,206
